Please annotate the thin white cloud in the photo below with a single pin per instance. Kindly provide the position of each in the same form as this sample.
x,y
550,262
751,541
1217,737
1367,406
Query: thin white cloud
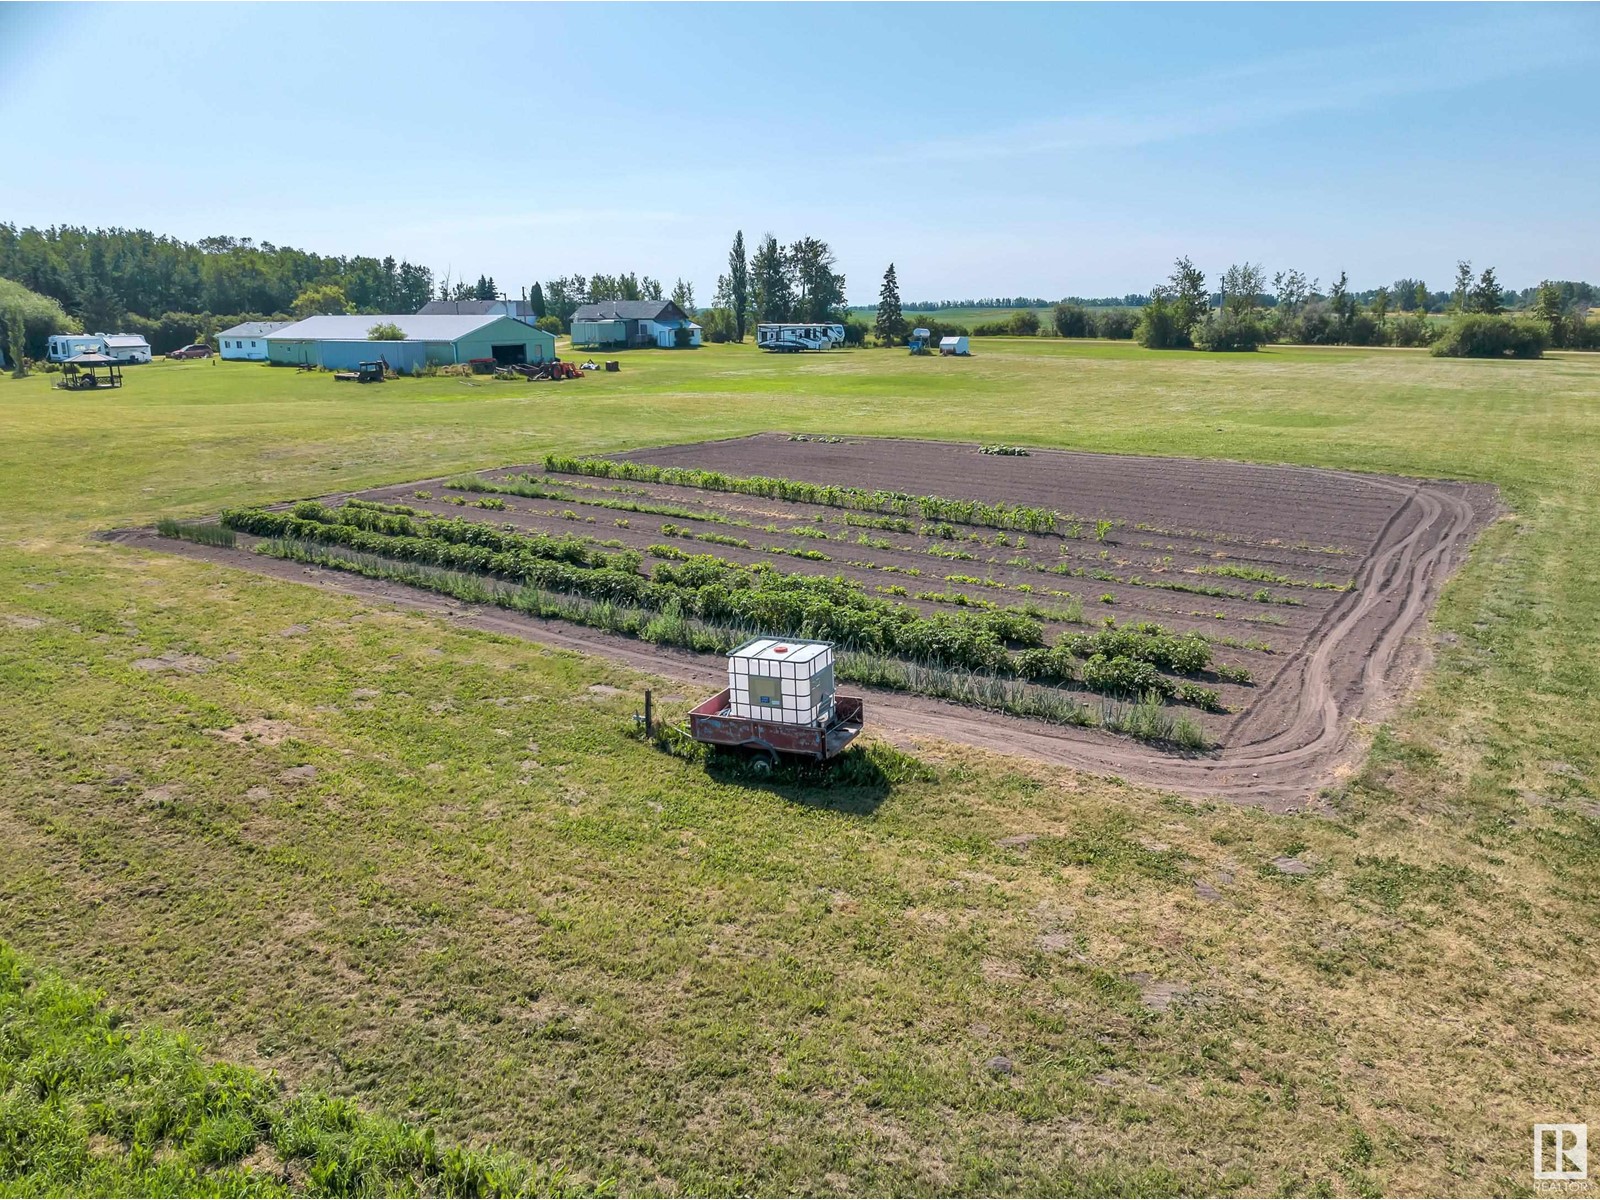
x,y
1274,89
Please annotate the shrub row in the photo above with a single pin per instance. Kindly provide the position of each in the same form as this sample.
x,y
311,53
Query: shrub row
x,y
501,539
931,508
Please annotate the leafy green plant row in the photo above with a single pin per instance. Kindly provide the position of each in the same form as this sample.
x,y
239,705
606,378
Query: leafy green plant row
x,y
715,539
1112,674
672,627
205,533
529,487
1263,575
790,604
930,508
522,487
90,1106
503,539
756,597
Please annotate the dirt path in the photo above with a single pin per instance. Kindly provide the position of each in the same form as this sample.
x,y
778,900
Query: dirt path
x,y
1372,631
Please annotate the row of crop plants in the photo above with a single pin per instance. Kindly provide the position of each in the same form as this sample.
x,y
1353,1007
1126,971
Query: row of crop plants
x,y
731,601
940,529
1108,644
930,508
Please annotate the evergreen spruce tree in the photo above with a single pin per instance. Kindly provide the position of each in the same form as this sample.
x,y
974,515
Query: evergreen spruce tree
x,y
891,324
738,285
536,301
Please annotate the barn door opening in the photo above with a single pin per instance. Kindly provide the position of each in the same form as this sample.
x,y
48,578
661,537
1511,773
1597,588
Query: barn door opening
x,y
510,356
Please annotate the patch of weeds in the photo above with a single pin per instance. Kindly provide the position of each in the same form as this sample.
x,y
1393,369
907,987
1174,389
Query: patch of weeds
x,y
1109,850
1389,882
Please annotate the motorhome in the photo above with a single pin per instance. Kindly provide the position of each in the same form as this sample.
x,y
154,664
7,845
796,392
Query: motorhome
x,y
796,336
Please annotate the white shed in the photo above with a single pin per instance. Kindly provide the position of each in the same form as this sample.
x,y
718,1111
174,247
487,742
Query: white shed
x,y
954,345
788,680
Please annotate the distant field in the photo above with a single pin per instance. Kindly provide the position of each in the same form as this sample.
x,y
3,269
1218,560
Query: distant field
x,y
429,868
979,316
965,316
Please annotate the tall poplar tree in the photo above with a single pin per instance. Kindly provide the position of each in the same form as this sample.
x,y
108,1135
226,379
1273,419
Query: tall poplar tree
x,y
771,291
739,285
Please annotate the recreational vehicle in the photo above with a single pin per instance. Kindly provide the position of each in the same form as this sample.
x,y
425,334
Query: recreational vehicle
x,y
789,338
63,346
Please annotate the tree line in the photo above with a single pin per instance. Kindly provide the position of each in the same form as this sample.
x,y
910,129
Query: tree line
x,y
103,276
172,291
1244,312
1182,315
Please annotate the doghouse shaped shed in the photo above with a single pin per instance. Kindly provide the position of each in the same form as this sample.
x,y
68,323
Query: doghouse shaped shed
x,y
789,680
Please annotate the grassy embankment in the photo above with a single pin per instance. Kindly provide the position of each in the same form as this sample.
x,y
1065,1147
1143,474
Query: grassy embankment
x,y
487,909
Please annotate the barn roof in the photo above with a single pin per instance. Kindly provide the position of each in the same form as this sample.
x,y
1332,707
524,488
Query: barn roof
x,y
470,308
430,328
628,310
253,329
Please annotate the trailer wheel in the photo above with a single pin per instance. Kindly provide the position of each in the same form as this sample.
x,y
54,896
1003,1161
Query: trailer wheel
x,y
762,761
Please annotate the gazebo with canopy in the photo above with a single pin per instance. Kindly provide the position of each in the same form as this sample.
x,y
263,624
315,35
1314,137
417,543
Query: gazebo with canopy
x,y
82,371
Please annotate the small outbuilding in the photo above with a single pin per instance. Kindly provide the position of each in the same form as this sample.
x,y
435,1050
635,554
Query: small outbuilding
x,y
341,343
954,345
610,323
247,342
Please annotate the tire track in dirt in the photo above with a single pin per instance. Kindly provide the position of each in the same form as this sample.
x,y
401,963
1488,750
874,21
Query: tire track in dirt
x,y
1279,768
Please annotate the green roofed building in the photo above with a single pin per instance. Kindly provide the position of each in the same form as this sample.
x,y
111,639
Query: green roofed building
x,y
339,343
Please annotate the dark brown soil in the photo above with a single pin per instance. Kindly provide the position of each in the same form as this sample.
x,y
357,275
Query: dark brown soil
x,y
1320,656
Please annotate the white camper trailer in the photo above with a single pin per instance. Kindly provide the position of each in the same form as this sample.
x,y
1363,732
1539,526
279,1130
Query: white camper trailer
x,y
63,346
126,347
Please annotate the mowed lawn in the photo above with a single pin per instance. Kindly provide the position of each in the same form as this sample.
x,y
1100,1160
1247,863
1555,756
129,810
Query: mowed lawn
x,y
430,869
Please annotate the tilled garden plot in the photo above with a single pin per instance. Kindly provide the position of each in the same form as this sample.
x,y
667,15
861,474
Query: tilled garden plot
x,y
1301,585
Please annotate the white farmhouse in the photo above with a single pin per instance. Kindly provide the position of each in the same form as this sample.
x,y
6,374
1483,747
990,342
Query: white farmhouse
x,y
247,342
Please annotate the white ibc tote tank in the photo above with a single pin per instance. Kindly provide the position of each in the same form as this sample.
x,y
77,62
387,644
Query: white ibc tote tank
x,y
789,680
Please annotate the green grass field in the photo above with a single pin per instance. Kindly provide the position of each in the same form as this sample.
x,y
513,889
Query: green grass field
x,y
488,910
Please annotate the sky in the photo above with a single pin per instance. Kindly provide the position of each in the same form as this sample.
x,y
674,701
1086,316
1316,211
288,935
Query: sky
x,y
986,150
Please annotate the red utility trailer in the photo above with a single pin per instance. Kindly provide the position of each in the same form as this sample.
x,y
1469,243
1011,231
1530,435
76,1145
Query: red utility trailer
x,y
780,699
715,724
